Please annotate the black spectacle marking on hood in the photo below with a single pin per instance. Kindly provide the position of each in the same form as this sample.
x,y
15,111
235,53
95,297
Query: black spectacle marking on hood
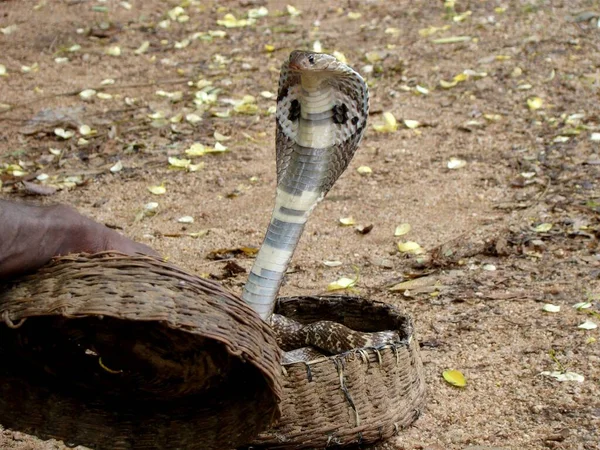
x,y
282,94
295,110
340,114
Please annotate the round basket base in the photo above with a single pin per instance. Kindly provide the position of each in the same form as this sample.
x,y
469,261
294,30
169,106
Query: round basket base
x,y
358,397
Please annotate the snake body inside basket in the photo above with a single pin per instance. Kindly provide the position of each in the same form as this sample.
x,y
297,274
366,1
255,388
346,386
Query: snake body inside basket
x,y
357,397
120,352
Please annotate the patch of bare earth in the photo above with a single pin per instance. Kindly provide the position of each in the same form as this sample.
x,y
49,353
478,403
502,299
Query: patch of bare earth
x,y
525,167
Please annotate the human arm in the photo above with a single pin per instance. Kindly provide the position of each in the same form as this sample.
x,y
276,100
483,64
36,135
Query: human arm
x,y
31,235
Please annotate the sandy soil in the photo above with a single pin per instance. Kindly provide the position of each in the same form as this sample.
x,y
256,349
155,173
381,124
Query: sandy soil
x,y
492,263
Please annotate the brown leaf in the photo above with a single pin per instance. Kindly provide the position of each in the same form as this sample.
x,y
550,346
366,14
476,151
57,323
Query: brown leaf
x,y
364,229
229,253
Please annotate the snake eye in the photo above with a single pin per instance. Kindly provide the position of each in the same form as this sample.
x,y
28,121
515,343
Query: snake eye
x,y
311,59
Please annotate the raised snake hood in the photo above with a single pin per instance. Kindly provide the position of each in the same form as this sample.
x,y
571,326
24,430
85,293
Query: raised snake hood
x,y
322,110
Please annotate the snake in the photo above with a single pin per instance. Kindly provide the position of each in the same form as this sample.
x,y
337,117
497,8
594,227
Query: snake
x,y
321,116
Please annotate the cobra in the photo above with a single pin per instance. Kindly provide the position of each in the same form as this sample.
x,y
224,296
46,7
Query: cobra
x,y
322,110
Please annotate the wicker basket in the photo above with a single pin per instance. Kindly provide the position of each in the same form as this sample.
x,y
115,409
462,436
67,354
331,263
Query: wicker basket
x,y
357,397
119,352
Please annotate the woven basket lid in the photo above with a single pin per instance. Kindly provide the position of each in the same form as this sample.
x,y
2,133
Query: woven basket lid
x,y
120,352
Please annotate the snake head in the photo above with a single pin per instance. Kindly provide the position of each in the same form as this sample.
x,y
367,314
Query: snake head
x,y
312,61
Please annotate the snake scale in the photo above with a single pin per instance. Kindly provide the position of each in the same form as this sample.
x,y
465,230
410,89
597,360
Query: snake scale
x,y
322,110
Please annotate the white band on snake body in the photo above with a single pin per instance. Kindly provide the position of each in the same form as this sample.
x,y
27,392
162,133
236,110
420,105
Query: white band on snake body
x,y
322,109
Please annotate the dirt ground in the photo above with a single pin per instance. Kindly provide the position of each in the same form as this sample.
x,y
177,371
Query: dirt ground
x,y
515,226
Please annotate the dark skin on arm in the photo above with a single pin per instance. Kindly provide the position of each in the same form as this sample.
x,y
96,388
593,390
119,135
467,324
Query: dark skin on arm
x,y
32,235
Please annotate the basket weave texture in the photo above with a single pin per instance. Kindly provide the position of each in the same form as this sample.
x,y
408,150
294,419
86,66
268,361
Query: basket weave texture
x,y
358,397
121,352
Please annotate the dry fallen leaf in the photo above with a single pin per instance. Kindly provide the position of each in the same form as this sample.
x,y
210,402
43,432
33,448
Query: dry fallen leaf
x,y
455,378
543,227
364,170
342,283
179,163
389,124
534,103
157,190
412,124
564,376
117,167
402,229
347,221
62,133
456,163
588,325
549,307
332,263
410,247
452,40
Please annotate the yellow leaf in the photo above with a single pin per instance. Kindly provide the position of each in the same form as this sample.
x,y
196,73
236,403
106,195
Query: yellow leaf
x,y
157,190
347,221
421,90
354,15
374,56
410,247
402,229
186,219
364,170
456,163
257,13
342,283
543,227
448,84
461,17
412,124
534,103
195,167
425,32
452,40
390,124
246,108
65,134
217,148
86,130
196,150
455,378
269,48
193,118
142,48
292,11
220,137
179,163
87,94
117,167
115,50
229,21
492,117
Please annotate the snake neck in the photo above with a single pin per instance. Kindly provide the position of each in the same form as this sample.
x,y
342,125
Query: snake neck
x,y
299,190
